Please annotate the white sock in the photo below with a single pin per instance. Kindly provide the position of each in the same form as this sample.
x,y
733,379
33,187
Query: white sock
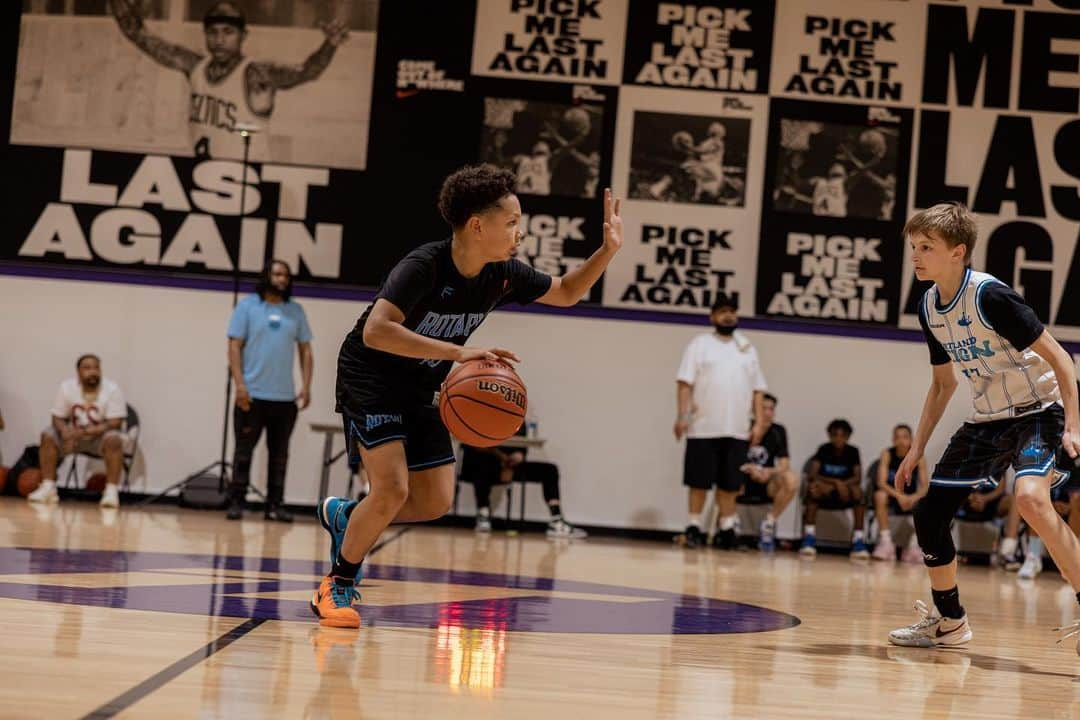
x,y
857,536
695,520
727,523
483,512
885,536
1008,546
1034,547
810,530
770,519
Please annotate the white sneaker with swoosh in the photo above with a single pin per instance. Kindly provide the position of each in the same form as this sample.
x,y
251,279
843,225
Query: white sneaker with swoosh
x,y
932,630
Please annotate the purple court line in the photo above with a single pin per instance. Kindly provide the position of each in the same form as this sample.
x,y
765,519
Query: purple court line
x,y
341,292
125,700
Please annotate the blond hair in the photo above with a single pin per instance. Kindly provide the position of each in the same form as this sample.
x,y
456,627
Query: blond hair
x,y
951,221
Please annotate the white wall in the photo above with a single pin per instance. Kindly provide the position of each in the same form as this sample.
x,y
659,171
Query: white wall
x,y
604,389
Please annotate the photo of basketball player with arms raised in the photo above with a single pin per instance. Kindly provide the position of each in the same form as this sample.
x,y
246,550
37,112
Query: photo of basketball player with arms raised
x,y
227,89
392,363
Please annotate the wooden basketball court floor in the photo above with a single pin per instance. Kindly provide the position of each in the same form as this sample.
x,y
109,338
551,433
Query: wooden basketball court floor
x,y
169,613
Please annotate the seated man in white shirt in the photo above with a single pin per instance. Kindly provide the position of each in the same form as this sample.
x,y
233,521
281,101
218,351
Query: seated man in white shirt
x,y
87,416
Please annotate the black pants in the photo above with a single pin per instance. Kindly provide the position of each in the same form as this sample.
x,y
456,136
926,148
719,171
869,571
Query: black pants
x,y
278,417
482,470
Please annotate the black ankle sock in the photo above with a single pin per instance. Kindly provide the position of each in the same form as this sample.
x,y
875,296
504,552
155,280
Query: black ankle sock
x,y
345,569
948,603
349,510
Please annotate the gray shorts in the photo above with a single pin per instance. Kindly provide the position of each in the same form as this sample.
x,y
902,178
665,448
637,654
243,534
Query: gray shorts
x,y
88,445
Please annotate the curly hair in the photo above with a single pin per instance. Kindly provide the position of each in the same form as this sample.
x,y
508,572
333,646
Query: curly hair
x,y
471,190
840,424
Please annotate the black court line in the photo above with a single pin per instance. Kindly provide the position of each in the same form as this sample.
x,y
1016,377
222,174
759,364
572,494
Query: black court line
x,y
122,702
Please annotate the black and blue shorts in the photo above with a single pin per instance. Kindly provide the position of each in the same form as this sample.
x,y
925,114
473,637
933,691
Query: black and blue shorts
x,y
980,452
418,426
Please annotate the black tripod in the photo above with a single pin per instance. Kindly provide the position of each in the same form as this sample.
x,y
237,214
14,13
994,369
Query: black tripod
x,y
221,463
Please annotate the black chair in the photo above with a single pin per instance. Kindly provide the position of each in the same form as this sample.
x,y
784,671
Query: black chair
x,y
131,428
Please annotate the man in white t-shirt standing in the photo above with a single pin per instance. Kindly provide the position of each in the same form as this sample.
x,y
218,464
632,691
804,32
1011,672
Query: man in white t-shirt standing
x,y
87,416
720,387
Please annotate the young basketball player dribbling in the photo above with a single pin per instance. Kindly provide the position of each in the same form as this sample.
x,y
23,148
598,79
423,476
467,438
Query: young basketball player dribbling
x,y
392,363
1023,388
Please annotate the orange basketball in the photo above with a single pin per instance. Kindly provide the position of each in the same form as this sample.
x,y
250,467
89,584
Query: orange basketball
x,y
96,482
483,402
28,481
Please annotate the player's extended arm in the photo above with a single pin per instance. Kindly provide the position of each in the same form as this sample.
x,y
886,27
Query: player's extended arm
x,y
384,331
567,290
942,387
176,57
282,77
1051,351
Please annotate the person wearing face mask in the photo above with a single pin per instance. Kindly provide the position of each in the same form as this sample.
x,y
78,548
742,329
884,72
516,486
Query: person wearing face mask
x,y
720,387
87,417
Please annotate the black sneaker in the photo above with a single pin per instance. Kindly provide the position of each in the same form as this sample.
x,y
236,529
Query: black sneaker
x,y
276,513
724,539
236,510
693,536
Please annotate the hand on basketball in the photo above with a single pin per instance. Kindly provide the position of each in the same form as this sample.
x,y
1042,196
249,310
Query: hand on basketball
x,y
493,354
336,32
613,229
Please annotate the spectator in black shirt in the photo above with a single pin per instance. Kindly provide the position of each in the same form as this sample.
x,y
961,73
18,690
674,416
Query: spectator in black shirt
x,y
768,473
835,483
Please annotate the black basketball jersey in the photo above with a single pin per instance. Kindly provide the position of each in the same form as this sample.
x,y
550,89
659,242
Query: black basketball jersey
x,y
437,302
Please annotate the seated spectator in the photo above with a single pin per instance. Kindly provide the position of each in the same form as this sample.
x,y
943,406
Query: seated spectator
x,y
889,501
835,483
484,467
87,417
1066,500
768,473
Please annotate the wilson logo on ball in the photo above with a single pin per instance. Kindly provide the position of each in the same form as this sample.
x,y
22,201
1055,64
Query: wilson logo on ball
x,y
507,393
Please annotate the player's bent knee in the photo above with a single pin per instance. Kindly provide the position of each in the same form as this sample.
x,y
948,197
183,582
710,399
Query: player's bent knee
x,y
791,483
389,493
1033,500
112,445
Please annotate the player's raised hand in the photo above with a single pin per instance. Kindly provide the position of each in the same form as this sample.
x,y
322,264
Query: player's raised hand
x,y
613,229
336,32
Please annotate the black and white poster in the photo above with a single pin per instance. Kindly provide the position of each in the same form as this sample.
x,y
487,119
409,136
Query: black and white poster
x,y
836,169
692,189
177,77
575,41
720,45
553,148
831,229
689,159
842,51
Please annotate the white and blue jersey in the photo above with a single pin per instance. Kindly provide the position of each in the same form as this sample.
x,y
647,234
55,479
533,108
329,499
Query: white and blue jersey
x,y
1017,417
986,330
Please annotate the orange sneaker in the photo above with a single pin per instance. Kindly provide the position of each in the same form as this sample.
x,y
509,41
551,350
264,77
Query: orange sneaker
x,y
333,601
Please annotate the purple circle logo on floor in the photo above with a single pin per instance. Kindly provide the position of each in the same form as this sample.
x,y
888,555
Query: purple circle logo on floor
x,y
268,588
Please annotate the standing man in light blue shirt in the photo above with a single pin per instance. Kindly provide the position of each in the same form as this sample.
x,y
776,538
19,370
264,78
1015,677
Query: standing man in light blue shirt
x,y
262,332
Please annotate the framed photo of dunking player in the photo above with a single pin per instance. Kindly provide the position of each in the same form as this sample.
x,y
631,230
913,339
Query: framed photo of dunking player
x,y
179,77
553,148
689,159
